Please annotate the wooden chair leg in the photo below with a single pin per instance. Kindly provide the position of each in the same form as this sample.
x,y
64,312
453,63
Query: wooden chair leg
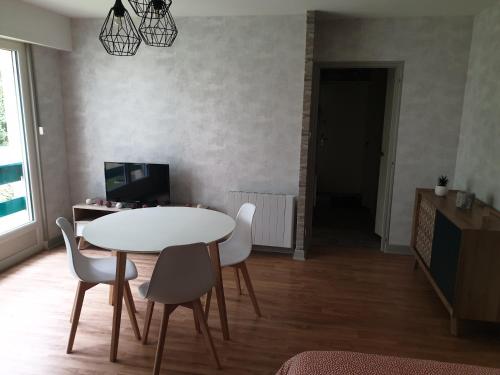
x,y
167,310
213,249
74,306
132,302
251,292
207,304
196,322
415,265
129,302
198,310
237,280
147,321
134,308
80,295
82,244
111,295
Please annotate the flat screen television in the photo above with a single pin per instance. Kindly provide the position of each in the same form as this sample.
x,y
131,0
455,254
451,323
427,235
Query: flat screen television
x,y
137,183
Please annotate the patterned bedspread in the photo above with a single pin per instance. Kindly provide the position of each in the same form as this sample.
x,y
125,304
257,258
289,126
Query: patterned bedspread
x,y
351,363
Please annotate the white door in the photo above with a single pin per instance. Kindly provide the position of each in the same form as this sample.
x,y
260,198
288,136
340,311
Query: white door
x,y
388,154
20,219
383,173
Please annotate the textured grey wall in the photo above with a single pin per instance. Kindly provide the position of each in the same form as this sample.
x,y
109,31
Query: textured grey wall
x,y
223,106
52,144
478,160
435,52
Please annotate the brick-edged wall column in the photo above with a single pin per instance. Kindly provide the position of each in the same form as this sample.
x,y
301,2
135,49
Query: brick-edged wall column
x,y
300,245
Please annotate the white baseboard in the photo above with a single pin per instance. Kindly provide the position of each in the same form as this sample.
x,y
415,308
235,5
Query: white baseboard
x,y
272,249
54,242
19,257
399,249
299,255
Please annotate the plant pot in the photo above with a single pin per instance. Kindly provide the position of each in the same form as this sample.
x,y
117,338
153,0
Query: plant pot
x,y
441,191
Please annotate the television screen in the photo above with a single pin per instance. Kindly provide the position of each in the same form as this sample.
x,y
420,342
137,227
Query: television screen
x,y
137,183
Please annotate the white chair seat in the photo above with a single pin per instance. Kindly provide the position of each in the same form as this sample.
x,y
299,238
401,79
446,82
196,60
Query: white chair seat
x,y
143,289
236,249
229,255
103,270
182,274
90,272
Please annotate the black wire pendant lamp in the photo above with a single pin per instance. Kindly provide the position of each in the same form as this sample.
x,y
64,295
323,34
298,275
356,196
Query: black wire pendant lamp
x,y
158,31
119,35
140,7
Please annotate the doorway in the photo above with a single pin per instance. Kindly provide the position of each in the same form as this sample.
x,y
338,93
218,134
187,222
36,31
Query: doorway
x,y
353,135
20,219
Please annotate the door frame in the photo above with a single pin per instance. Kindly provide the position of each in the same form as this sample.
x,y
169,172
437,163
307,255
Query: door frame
x,y
21,235
309,137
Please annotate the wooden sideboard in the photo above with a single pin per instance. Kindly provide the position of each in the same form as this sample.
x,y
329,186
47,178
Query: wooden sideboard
x,y
84,213
459,252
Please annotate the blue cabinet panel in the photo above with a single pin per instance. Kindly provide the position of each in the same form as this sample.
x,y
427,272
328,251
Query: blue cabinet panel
x,y
445,254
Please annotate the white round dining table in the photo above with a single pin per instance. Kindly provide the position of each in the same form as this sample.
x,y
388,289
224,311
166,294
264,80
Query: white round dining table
x,y
151,230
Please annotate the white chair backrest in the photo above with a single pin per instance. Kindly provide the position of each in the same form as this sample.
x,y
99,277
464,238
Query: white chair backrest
x,y
75,258
241,238
181,274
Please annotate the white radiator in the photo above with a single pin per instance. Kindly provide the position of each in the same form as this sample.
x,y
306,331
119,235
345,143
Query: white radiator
x,y
274,219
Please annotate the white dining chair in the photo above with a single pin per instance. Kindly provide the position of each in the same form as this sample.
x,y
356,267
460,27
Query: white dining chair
x,y
234,252
90,272
182,275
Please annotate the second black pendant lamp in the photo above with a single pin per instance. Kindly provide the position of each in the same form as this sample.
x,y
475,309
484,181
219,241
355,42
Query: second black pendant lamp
x,y
140,7
120,37
158,31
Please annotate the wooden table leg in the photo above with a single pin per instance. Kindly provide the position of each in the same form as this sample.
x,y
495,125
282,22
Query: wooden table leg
x,y
219,289
121,260
111,292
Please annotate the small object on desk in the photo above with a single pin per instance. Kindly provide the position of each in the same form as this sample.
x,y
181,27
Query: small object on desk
x,y
441,188
99,202
464,200
107,203
145,205
460,199
119,205
89,201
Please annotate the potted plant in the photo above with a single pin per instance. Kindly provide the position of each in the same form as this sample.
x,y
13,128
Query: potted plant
x,y
441,188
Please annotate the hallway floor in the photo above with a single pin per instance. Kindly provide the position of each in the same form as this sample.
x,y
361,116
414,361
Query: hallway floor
x,y
344,223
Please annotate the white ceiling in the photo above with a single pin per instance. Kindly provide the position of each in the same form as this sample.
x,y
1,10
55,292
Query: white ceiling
x,y
365,8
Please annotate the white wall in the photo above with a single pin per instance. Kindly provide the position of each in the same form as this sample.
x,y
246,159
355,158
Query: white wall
x,y
478,160
54,158
435,53
28,23
223,106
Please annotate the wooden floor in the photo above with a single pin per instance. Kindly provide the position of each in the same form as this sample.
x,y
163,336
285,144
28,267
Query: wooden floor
x,y
342,299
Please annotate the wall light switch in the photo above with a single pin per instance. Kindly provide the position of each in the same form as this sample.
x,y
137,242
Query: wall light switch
x,y
41,130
